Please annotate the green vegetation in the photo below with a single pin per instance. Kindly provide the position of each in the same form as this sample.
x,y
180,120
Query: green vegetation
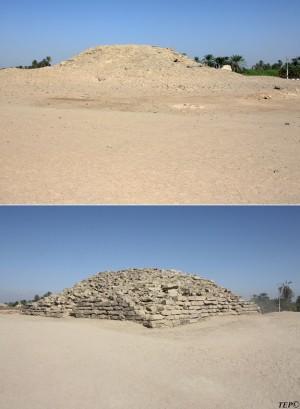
x,y
237,63
269,73
294,71
209,60
298,304
284,301
24,302
268,304
265,69
45,62
261,65
265,303
221,61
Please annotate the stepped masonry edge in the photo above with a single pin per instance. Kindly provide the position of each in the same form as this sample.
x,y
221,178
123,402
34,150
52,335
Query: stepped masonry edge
x,y
152,297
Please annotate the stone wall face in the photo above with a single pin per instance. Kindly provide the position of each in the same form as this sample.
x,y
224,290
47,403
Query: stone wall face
x,y
153,297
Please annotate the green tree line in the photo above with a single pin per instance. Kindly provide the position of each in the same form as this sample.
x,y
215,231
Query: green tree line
x,y
238,64
45,62
284,301
24,302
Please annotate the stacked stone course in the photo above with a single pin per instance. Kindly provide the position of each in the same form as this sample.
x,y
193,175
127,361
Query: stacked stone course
x,y
153,297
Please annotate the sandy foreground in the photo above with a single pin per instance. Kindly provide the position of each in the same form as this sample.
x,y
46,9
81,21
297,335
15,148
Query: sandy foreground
x,y
232,362
130,125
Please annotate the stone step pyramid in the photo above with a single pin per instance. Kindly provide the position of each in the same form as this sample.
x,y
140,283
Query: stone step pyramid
x,y
152,297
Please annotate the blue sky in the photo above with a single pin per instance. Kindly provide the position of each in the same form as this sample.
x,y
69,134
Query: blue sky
x,y
257,29
246,249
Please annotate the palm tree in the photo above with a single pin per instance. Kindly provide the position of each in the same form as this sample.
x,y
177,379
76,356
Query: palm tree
x,y
34,64
296,61
197,59
221,61
277,65
237,62
285,293
264,296
259,65
46,294
45,62
209,60
298,304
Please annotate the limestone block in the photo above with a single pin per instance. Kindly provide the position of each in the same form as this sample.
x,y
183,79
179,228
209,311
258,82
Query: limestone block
x,y
155,317
172,293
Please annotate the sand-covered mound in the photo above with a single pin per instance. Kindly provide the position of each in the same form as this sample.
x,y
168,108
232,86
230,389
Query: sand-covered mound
x,y
153,297
142,124
129,71
120,61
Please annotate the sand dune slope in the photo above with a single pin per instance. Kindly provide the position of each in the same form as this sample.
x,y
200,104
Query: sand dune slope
x,y
230,363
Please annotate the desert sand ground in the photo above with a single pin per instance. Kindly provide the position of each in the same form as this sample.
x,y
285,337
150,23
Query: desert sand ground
x,y
142,124
229,363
